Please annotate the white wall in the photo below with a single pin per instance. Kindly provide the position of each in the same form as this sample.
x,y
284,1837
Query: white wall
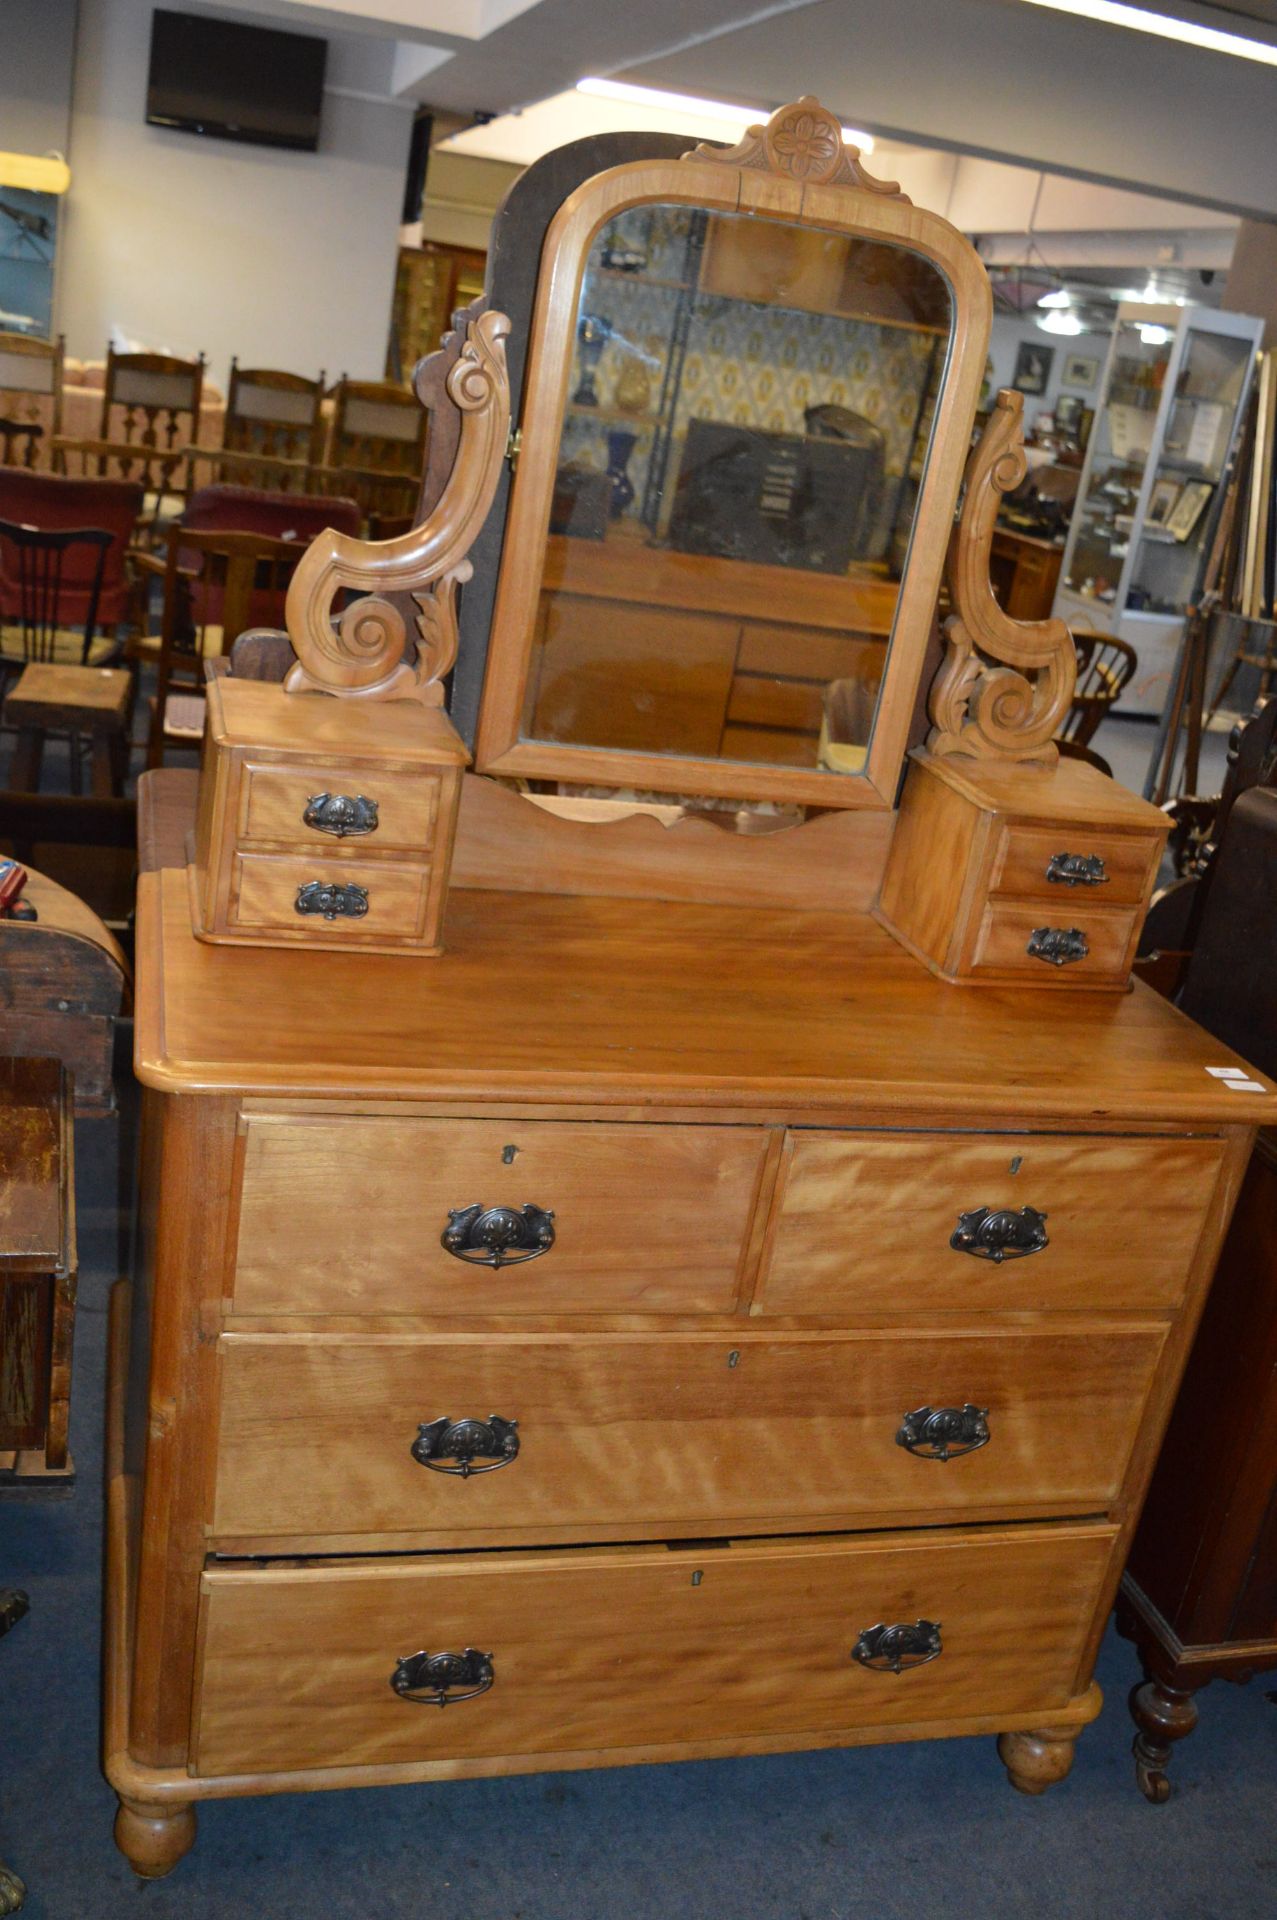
x,y
286,259
1004,343
35,74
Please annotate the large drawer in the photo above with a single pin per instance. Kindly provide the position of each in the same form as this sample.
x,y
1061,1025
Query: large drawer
x,y
345,1214
864,1223
687,1434
624,1648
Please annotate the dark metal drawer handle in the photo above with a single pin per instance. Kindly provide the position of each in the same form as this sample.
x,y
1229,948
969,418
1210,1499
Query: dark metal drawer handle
x,y
477,1446
893,1649
427,1679
1058,946
942,1433
1076,870
333,901
498,1236
997,1233
341,814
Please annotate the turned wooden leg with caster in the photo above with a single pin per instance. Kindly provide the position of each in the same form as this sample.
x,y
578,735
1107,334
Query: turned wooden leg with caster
x,y
1035,1761
1162,1715
153,1836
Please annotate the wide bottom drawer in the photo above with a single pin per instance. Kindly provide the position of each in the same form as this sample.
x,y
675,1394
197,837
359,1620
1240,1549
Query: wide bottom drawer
x,y
666,1434
623,1648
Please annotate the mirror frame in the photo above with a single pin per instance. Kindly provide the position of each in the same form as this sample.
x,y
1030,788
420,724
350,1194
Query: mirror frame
x,y
771,179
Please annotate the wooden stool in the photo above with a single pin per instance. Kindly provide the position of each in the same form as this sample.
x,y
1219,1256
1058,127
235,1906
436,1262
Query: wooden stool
x,y
48,698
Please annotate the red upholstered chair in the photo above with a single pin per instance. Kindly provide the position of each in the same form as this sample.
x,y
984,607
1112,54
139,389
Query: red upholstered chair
x,y
52,502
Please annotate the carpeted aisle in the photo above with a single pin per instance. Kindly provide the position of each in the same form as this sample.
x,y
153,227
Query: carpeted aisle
x,y
885,1833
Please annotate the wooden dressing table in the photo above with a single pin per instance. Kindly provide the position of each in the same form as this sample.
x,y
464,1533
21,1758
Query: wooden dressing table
x,y
677,1320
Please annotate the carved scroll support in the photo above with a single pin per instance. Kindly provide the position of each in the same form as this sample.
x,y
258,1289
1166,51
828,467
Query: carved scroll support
x,y
1005,684
360,652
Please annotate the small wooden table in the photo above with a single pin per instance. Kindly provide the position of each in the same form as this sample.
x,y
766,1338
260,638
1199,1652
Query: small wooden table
x,y
49,698
37,1268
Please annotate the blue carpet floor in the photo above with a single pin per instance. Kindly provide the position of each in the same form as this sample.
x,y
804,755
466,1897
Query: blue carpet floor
x,y
885,1833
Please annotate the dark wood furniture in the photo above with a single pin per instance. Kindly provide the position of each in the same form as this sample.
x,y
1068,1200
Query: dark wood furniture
x,y
151,399
1199,1597
1104,665
66,979
84,703
14,1605
1024,570
431,282
37,1268
271,412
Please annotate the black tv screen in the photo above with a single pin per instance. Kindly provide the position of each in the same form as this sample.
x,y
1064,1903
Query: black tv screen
x,y
235,82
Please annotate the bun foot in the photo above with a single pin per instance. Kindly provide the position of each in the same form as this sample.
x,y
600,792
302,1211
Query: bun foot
x,y
153,1836
12,1891
1035,1761
1162,1715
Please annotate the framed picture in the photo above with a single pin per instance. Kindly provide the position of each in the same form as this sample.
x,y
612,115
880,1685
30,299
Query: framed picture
x,y
1080,370
1032,367
1162,501
1187,510
1068,414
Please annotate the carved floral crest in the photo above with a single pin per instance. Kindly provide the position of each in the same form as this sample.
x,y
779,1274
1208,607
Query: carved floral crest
x,y
802,142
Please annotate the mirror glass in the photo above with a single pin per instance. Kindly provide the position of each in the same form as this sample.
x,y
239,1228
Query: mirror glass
x,y
746,427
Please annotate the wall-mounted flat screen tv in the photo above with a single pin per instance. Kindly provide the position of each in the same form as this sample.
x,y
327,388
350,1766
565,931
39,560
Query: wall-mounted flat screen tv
x,y
234,82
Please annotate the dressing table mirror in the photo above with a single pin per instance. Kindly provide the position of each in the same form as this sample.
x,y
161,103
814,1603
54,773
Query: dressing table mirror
x,y
775,1251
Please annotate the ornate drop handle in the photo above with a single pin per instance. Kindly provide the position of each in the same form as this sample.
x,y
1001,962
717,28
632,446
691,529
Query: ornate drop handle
x,y
1076,870
427,1679
497,1236
944,1433
893,1649
492,1443
998,1233
1058,946
341,814
332,900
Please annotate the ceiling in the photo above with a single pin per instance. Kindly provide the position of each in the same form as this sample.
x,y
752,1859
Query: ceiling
x,y
1001,79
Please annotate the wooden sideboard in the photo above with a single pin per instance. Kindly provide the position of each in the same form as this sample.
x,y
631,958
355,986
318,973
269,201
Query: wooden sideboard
x,y
729,657
731,1401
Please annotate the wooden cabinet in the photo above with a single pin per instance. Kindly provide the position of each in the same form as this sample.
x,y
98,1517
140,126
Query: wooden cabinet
x,y
806,1353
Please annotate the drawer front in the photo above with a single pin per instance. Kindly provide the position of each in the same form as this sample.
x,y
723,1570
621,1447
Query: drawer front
x,y
864,1223
271,891
1038,942
273,803
683,1434
636,1647
346,1215
1026,858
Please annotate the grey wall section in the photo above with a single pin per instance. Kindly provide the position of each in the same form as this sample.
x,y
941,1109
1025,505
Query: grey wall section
x,y
36,59
1013,82
178,242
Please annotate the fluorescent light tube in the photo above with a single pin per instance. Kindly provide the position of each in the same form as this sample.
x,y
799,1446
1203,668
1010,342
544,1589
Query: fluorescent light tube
x,y
702,109
1114,14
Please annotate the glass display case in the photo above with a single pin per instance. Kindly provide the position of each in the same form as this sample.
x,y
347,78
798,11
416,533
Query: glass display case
x,y
1174,385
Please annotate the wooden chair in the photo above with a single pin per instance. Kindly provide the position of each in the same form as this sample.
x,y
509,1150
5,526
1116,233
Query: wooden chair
x,y
30,398
377,428
217,583
1104,665
151,399
34,561
53,501
274,413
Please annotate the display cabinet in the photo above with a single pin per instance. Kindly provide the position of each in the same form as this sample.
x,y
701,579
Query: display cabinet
x,y
1174,386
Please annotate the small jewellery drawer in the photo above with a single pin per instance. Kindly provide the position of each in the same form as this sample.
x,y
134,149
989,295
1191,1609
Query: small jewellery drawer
x,y
589,1649
898,1223
317,809
350,1213
362,899
1074,940
1069,865
435,1441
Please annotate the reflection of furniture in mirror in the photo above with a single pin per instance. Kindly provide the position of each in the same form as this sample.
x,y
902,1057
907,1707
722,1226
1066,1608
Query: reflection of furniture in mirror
x,y
754,1269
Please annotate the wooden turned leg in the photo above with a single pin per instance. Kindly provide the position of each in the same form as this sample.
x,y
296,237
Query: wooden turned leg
x,y
1035,1761
1162,1715
12,1891
153,1837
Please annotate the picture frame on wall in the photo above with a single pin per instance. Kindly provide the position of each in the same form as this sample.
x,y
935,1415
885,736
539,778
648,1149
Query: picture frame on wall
x,y
1080,370
1032,367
